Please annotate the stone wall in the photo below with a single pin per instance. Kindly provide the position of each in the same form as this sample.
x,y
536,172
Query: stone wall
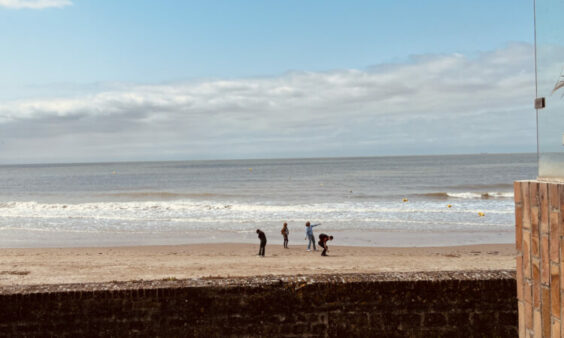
x,y
539,228
465,304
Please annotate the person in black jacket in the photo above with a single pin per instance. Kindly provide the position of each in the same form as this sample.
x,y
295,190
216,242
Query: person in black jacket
x,y
323,239
262,238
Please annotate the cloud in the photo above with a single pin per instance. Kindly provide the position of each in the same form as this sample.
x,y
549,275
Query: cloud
x,y
34,4
429,104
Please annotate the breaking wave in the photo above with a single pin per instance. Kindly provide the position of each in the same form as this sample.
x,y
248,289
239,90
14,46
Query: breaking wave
x,y
232,215
468,195
484,187
161,195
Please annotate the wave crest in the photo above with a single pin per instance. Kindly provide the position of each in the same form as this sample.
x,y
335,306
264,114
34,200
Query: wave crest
x,y
468,195
161,195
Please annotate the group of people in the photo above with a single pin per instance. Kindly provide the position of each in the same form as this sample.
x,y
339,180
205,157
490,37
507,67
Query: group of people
x,y
323,239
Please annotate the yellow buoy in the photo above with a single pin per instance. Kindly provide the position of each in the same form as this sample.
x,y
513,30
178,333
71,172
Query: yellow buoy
x,y
250,169
405,199
481,214
449,206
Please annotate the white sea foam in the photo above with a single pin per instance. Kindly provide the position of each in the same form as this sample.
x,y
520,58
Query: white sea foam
x,y
481,195
469,195
189,215
164,209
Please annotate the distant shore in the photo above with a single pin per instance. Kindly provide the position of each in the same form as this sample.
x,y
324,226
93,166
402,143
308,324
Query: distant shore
x,y
88,265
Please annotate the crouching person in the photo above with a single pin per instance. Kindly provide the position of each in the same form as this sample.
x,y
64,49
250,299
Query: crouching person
x,y
323,239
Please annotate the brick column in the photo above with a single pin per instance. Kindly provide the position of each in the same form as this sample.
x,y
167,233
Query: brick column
x,y
539,240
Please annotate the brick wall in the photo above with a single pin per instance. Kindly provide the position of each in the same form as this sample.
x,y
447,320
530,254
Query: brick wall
x,y
538,230
471,303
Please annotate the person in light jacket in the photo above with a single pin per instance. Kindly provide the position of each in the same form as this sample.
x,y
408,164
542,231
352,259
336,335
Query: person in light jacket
x,y
310,236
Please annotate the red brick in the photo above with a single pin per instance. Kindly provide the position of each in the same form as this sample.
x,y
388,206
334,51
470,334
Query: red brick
x,y
519,277
535,246
535,230
544,207
534,214
518,227
561,315
555,237
555,330
562,279
528,292
521,312
555,290
526,254
545,261
553,196
537,323
562,262
545,312
536,283
561,191
528,316
517,191
527,205
554,222
534,193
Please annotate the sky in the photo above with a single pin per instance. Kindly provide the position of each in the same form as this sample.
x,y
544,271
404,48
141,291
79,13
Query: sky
x,y
89,81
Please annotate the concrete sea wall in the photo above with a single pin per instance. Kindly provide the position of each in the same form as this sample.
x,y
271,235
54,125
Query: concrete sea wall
x,y
450,304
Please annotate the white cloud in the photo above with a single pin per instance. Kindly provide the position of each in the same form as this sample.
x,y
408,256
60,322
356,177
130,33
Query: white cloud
x,y
34,4
431,104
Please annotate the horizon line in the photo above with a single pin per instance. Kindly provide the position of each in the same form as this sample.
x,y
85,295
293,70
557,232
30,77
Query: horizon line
x,y
258,158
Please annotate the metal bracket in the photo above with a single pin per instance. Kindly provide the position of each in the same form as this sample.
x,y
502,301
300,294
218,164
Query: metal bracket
x,y
540,103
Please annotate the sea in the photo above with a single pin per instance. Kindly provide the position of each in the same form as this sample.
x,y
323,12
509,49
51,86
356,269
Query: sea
x,y
366,201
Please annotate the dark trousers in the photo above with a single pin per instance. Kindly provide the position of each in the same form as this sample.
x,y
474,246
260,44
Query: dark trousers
x,y
285,241
262,247
311,241
324,246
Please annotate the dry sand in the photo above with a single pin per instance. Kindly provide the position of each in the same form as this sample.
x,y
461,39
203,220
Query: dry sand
x,y
83,265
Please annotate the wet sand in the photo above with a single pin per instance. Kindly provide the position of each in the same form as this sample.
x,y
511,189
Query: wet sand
x,y
90,265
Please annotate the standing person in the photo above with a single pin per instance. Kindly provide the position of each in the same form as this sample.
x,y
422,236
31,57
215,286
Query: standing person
x,y
323,238
285,232
309,235
262,238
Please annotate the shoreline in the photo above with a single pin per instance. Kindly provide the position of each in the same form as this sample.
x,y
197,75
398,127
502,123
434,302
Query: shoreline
x,y
14,239
34,266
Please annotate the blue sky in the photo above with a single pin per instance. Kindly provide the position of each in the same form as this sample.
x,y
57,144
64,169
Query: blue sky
x,y
151,41
74,62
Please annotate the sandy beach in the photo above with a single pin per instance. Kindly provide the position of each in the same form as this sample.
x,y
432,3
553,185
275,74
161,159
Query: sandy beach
x,y
84,265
